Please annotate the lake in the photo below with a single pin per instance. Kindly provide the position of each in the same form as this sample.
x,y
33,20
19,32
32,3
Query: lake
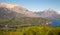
x,y
55,23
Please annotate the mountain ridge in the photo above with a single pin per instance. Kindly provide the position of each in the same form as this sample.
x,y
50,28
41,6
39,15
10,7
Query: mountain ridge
x,y
48,14
19,16
19,9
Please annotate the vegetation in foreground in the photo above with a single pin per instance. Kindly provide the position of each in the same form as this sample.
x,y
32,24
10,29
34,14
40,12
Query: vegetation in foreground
x,y
32,30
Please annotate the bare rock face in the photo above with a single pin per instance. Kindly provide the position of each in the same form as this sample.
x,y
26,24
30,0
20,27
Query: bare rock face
x,y
49,14
17,9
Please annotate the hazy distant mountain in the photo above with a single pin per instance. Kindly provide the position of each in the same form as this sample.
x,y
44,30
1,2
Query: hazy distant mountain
x,y
11,14
48,14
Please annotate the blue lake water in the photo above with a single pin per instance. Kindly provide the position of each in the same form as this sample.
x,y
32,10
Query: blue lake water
x,y
55,23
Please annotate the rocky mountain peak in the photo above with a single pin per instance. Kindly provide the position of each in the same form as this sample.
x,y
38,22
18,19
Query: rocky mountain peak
x,y
17,9
49,14
7,5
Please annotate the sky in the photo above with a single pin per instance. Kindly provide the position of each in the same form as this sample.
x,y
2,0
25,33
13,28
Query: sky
x,y
36,5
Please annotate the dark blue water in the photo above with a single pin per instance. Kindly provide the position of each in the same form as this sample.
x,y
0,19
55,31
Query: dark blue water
x,y
55,23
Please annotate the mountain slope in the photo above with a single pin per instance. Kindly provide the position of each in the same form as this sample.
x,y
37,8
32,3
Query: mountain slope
x,y
11,15
18,9
49,14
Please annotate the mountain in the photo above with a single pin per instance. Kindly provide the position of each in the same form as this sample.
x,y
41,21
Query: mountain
x,y
17,9
12,15
48,14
